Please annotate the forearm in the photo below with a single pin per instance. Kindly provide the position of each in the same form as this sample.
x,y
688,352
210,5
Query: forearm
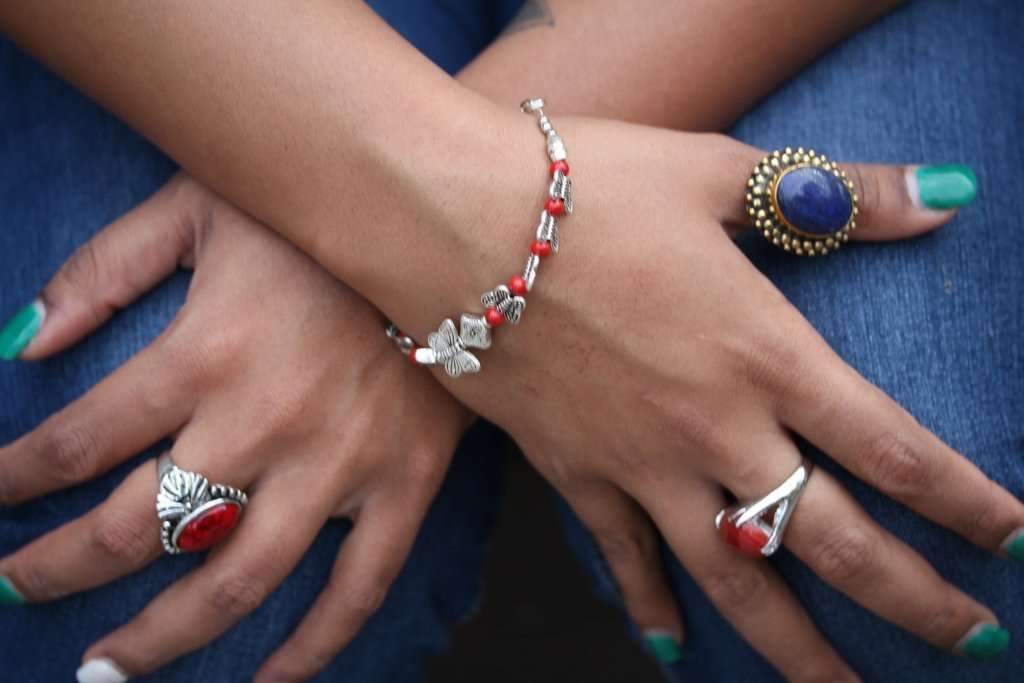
x,y
687,65
314,117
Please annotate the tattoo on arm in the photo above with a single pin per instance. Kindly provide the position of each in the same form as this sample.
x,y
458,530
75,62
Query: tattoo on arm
x,y
534,13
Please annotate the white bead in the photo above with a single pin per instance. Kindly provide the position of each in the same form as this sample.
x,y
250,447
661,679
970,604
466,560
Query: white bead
x,y
532,105
425,356
556,148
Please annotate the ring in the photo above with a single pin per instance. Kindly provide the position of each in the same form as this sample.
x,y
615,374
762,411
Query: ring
x,y
194,514
802,202
756,528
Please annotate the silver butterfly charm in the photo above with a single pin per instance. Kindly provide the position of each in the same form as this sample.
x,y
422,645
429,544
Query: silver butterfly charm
x,y
511,307
450,351
561,188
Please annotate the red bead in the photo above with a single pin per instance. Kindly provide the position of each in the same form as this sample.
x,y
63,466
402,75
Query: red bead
x,y
494,317
748,539
541,248
209,528
561,165
412,355
517,285
556,207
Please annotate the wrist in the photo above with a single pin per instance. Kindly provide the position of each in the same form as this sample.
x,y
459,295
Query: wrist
x,y
466,198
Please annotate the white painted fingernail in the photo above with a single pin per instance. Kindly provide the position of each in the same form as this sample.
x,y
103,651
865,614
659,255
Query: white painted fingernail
x,y
101,670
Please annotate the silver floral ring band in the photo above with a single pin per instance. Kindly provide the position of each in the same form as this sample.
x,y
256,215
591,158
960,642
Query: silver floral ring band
x,y
194,514
756,528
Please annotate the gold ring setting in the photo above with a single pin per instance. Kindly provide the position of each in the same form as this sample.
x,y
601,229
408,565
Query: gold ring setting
x,y
802,202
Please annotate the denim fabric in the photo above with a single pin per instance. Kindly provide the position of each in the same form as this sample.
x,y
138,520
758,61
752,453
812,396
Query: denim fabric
x,y
66,169
937,322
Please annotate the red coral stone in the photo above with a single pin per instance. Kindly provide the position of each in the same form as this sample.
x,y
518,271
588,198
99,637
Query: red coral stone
x,y
494,317
517,285
209,528
541,248
554,206
747,539
562,166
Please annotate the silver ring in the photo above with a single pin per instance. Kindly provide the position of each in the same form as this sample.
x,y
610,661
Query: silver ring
x,y
756,528
194,514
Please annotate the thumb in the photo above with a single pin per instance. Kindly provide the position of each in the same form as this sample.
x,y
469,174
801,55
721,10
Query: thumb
x,y
116,266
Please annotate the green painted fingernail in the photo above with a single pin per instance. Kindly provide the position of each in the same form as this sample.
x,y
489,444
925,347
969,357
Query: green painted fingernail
x,y
984,641
1014,545
663,646
946,187
9,595
20,330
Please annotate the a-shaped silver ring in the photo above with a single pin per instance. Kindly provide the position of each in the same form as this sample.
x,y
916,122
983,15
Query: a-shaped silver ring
x,y
194,514
756,528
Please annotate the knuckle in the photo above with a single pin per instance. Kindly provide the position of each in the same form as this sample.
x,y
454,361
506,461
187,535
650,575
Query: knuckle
x,y
82,269
424,469
36,584
625,546
845,555
200,359
898,468
123,537
943,624
365,598
70,451
732,591
770,366
984,521
238,596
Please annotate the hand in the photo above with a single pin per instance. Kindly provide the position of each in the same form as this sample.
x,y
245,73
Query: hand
x,y
273,378
656,368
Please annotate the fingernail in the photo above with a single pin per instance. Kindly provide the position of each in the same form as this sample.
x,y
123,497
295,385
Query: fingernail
x,y
9,595
101,670
943,187
663,646
984,641
20,329
1014,545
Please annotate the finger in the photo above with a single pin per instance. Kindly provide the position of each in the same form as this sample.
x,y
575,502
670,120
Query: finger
x,y
369,561
747,592
276,529
833,535
141,403
116,538
111,270
631,548
874,438
894,201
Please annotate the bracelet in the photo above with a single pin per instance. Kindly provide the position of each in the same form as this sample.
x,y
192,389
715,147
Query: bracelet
x,y
505,303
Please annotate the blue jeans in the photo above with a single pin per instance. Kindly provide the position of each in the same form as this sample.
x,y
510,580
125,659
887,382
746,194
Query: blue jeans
x,y
936,322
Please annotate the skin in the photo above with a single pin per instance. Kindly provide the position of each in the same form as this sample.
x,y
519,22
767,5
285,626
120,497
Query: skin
x,y
597,470
269,354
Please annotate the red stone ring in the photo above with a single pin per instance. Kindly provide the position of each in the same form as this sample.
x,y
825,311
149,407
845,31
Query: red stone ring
x,y
756,528
194,515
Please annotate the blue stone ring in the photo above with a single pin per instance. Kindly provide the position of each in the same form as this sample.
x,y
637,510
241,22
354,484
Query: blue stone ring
x,y
802,202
